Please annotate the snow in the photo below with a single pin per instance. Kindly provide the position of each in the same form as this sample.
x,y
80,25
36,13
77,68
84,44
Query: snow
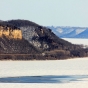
x,y
38,68
78,31
75,72
77,40
59,30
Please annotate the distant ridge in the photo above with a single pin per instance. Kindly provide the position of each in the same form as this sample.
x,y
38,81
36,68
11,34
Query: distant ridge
x,y
69,32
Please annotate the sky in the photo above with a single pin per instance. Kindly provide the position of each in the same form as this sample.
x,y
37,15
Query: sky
x,y
47,12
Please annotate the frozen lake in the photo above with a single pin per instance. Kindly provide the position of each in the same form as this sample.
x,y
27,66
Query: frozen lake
x,y
71,73
45,74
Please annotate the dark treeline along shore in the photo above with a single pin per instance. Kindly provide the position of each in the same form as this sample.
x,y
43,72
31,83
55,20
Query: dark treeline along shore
x,y
26,40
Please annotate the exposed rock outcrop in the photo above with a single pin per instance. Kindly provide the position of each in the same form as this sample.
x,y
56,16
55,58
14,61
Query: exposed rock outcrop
x,y
10,33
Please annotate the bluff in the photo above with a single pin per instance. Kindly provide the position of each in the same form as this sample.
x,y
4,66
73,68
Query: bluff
x,y
26,40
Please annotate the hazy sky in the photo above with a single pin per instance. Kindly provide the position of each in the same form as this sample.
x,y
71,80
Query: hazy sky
x,y
47,12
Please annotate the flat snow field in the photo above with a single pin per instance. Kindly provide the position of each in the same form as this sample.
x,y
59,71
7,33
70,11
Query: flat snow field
x,y
71,73
77,40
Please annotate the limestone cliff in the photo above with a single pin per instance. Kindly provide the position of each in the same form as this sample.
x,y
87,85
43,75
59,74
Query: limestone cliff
x,y
10,33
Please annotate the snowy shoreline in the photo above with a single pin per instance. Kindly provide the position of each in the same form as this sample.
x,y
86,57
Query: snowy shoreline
x,y
46,59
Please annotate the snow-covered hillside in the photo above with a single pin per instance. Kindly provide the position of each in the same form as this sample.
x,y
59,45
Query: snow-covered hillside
x,y
70,32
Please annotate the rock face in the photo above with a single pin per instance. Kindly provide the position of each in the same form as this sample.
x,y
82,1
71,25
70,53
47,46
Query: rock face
x,y
10,33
